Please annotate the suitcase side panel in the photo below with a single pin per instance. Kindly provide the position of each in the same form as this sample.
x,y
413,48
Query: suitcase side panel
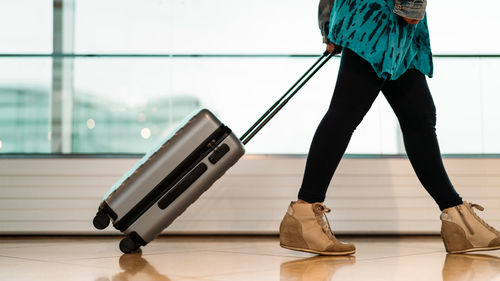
x,y
171,180
161,161
155,219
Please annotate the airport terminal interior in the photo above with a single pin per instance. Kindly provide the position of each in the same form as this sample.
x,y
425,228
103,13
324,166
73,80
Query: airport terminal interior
x,y
100,101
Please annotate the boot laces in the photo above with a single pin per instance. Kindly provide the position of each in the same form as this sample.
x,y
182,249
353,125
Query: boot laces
x,y
481,208
323,221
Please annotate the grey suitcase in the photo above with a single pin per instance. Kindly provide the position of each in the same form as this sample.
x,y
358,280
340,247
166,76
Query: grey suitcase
x,y
168,179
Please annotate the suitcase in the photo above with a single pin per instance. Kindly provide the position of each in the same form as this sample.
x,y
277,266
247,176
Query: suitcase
x,y
169,178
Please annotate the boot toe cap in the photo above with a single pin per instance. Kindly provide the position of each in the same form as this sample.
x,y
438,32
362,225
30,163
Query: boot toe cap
x,y
495,242
340,247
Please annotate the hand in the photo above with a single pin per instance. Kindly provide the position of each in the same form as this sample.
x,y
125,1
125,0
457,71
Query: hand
x,y
411,21
330,47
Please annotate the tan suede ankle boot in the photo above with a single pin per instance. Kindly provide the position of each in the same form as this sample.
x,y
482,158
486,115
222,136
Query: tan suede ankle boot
x,y
464,231
305,228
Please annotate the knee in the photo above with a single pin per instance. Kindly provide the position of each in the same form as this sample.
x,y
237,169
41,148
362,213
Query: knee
x,y
419,122
343,121
417,117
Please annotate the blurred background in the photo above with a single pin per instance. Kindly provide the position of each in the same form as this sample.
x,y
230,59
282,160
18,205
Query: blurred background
x,y
87,87
116,77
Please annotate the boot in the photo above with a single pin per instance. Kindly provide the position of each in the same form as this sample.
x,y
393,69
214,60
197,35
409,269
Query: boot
x,y
464,231
305,228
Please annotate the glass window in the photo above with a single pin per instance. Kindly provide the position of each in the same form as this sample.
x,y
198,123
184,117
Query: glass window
x,y
26,26
25,105
132,70
25,82
464,27
193,26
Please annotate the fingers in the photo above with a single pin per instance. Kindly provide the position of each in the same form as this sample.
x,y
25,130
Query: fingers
x,y
330,47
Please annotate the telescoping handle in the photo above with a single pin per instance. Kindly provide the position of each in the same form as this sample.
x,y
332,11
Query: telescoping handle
x,y
279,104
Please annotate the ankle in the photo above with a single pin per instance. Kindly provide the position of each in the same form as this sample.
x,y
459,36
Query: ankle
x,y
300,201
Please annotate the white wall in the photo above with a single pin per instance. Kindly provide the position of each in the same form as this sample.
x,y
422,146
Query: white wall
x,y
377,195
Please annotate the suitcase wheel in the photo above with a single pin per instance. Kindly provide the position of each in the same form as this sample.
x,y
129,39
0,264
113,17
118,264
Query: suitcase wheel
x,y
101,221
128,245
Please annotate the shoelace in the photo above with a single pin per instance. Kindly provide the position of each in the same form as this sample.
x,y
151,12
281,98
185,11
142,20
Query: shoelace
x,y
325,226
481,208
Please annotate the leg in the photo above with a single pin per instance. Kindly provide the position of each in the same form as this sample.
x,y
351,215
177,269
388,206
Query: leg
x,y
411,100
357,87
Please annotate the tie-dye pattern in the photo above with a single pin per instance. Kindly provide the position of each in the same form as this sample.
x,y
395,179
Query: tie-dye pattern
x,y
372,30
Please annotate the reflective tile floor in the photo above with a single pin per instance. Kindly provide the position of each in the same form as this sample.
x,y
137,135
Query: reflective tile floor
x,y
237,258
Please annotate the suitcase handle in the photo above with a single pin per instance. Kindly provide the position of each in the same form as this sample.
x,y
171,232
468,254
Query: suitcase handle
x,y
278,105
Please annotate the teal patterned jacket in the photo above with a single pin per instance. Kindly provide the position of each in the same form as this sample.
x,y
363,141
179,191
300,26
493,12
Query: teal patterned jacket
x,y
375,30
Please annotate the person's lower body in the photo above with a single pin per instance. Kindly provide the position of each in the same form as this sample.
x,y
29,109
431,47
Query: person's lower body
x,y
356,89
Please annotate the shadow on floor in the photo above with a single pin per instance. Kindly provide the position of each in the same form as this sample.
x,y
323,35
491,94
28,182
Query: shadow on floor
x,y
318,268
135,267
477,267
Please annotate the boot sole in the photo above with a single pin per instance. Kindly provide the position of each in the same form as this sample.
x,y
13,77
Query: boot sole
x,y
319,252
474,249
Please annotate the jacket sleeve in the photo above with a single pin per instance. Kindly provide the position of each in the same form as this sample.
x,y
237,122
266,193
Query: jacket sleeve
x,y
413,9
324,11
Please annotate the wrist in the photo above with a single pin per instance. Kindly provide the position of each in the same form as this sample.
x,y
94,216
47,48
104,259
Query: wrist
x,y
413,9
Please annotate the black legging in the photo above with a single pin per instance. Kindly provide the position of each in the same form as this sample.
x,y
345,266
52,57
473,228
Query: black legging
x,y
357,87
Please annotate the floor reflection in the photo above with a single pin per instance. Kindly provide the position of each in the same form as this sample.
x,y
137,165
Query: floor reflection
x,y
477,267
135,267
318,268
